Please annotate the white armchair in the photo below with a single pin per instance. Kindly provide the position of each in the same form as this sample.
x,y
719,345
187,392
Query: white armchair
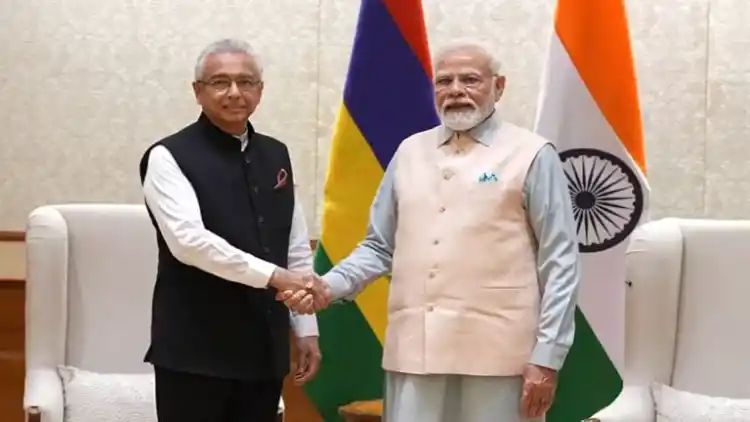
x,y
687,314
90,274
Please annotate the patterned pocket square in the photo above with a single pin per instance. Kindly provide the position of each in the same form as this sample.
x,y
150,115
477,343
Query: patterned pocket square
x,y
487,177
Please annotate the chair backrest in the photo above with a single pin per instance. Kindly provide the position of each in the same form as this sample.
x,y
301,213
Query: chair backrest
x,y
712,353
686,307
90,273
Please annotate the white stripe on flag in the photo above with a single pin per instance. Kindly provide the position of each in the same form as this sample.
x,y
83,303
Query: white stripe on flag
x,y
568,115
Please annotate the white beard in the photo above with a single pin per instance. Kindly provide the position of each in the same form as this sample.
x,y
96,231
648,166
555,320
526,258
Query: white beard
x,y
461,121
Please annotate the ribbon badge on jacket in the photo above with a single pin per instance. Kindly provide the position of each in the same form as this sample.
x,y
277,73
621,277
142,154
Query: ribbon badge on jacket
x,y
281,177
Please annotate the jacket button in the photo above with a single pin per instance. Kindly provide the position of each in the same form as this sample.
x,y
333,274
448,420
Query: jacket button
x,y
432,274
255,189
430,308
435,242
261,219
266,249
442,209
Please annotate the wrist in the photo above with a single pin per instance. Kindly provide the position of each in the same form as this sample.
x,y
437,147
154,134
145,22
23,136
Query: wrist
x,y
277,276
534,370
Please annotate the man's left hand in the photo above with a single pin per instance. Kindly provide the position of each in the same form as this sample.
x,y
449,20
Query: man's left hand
x,y
539,385
308,359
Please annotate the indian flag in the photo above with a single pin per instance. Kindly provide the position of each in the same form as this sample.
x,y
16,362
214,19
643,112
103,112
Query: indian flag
x,y
589,108
388,97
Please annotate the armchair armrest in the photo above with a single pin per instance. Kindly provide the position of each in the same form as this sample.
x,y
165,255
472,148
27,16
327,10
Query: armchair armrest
x,y
43,395
634,404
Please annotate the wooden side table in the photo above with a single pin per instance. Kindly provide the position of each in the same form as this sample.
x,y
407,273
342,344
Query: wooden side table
x,y
362,411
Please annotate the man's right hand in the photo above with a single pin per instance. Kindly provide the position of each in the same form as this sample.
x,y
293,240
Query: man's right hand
x,y
282,279
315,297
297,284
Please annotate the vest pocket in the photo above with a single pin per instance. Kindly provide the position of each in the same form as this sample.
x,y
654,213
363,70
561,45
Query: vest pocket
x,y
503,287
508,282
499,300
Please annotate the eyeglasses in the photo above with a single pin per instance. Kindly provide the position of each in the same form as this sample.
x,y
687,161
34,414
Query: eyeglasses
x,y
465,81
222,85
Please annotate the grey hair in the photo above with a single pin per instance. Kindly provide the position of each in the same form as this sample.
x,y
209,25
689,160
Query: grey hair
x,y
227,45
468,44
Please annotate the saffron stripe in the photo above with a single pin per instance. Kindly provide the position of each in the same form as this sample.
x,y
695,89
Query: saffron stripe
x,y
595,35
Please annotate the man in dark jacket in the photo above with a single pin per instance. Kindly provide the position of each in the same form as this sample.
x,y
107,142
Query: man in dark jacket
x,y
230,234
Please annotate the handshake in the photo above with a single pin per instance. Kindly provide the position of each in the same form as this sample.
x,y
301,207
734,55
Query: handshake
x,y
302,293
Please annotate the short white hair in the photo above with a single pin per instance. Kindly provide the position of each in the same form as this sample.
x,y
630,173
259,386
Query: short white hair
x,y
226,45
468,44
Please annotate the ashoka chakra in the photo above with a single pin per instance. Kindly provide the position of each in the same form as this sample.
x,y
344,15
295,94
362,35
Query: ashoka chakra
x,y
606,195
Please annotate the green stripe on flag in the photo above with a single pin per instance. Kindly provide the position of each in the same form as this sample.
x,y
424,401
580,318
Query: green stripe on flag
x,y
588,380
351,368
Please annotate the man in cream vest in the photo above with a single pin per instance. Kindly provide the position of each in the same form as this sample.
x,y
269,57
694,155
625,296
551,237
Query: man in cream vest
x,y
474,223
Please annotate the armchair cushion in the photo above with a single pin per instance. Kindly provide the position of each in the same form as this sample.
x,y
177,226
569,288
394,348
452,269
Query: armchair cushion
x,y
675,405
91,396
634,404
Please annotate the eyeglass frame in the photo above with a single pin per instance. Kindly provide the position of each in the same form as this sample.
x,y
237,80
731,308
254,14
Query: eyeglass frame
x,y
212,83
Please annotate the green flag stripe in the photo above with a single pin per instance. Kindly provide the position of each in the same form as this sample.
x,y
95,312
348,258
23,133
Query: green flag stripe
x,y
351,369
588,381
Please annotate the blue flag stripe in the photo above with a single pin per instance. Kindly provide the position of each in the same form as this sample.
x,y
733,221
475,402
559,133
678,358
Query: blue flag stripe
x,y
387,91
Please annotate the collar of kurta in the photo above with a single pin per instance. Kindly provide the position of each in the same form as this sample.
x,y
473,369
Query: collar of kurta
x,y
225,139
484,132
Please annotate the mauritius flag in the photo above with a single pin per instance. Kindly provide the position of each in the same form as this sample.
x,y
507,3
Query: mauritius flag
x,y
388,97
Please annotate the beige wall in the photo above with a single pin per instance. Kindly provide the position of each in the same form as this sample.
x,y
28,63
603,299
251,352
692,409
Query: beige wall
x,y
12,260
86,85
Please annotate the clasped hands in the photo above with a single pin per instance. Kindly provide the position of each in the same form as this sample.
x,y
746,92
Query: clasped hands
x,y
302,293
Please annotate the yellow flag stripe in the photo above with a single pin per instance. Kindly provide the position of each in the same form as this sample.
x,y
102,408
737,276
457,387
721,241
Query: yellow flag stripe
x,y
353,177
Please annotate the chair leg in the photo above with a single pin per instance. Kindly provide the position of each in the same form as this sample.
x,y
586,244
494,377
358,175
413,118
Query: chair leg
x,y
33,414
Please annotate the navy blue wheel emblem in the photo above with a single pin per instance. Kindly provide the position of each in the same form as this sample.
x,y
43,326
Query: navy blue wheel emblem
x,y
607,197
